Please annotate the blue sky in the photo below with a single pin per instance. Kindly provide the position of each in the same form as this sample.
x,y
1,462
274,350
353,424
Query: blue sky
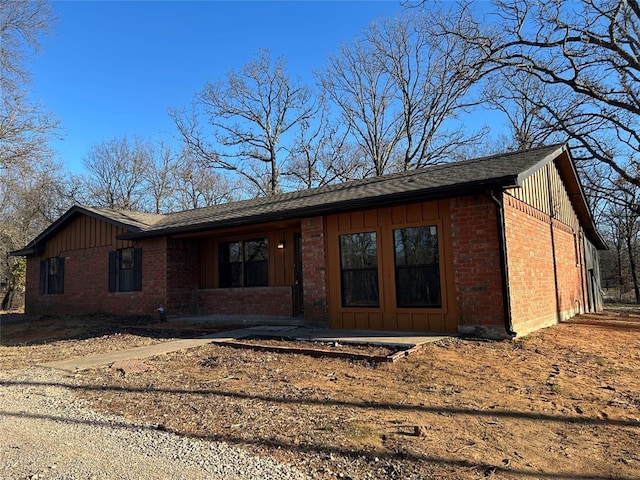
x,y
110,69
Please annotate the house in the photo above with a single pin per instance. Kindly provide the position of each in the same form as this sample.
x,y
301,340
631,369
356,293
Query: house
x,y
496,246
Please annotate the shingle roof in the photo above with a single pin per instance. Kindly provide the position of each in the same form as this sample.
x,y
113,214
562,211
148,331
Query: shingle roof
x,y
460,178
128,219
443,180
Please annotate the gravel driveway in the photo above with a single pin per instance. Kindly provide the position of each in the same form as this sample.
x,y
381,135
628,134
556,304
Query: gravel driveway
x,y
47,434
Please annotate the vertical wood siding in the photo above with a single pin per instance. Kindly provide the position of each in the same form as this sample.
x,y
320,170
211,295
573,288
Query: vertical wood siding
x,y
388,316
545,191
85,232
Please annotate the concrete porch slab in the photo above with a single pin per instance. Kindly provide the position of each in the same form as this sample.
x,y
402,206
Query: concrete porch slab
x,y
379,338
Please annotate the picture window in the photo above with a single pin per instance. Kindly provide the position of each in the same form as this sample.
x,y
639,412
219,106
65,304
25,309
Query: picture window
x,y
417,267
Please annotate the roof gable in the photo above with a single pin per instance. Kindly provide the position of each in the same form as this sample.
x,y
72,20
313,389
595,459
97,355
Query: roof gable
x,y
131,221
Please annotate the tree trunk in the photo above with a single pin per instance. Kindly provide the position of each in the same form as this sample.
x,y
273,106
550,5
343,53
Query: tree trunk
x,y
632,265
620,279
7,301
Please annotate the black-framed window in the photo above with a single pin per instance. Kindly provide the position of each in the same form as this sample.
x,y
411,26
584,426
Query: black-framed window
x,y
359,270
52,276
125,270
244,263
417,267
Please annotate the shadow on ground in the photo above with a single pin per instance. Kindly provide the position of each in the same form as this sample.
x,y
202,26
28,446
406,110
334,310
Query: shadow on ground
x,y
18,329
308,447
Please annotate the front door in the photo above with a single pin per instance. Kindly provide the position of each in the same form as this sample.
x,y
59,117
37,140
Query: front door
x,y
298,301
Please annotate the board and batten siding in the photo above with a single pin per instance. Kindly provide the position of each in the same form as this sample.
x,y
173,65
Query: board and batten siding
x,y
388,316
85,232
545,191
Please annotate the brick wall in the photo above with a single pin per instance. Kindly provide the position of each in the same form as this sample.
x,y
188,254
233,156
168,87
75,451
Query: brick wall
x,y
273,301
183,276
533,274
86,284
314,271
31,293
476,265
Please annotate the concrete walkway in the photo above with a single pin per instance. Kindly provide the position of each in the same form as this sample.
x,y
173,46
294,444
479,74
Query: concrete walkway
x,y
389,339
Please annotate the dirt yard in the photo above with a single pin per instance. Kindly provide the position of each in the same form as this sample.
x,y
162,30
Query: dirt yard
x,y
561,403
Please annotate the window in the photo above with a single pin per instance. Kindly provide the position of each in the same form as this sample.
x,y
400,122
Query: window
x,y
230,271
125,270
244,263
52,276
417,267
359,270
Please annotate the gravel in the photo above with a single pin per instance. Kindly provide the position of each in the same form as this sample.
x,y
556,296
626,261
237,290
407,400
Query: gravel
x,y
49,434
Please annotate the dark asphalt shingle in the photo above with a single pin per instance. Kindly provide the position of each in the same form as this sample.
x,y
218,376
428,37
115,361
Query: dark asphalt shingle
x,y
503,170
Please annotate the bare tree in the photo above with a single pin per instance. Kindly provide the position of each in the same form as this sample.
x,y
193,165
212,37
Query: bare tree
x,y
249,113
160,178
24,127
357,83
197,185
31,196
587,53
117,172
622,226
29,180
400,86
525,103
319,154
433,77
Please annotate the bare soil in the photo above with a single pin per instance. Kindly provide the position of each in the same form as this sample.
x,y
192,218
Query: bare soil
x,y
563,402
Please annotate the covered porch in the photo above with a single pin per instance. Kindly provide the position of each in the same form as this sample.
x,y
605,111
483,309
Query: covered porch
x,y
246,271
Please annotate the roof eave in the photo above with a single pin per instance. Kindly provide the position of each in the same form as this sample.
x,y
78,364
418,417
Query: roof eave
x,y
334,207
24,252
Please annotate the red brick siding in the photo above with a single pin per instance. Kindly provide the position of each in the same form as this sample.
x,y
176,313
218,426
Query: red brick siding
x,y
314,270
86,284
274,301
183,277
31,294
532,274
476,262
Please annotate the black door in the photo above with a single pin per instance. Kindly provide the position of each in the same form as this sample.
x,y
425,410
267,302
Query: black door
x,y
298,301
